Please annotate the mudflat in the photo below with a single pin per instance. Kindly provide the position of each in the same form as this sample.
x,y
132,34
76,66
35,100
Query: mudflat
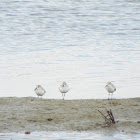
x,y
34,114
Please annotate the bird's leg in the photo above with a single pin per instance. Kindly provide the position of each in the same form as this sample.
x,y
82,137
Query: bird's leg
x,y
111,95
63,95
108,96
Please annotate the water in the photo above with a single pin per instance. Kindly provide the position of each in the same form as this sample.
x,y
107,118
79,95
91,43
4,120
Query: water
x,y
85,43
67,136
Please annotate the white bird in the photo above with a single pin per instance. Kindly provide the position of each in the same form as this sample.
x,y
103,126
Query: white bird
x,y
64,89
40,91
110,88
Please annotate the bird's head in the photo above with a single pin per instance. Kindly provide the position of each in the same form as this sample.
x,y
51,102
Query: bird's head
x,y
64,84
38,86
108,83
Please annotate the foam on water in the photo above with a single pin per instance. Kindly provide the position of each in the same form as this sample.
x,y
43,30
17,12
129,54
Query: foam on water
x,y
66,136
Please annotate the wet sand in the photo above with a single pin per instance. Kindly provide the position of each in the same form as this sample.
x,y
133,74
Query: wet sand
x,y
34,114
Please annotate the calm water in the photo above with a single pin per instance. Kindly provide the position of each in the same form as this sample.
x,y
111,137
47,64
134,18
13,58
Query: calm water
x,y
85,43
67,136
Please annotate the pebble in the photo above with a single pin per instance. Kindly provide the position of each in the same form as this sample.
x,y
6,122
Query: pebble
x,y
27,132
50,119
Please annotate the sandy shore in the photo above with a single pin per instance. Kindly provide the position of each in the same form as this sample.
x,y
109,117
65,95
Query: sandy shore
x,y
33,114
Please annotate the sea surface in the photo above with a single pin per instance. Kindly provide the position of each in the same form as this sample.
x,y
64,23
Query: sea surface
x,y
83,42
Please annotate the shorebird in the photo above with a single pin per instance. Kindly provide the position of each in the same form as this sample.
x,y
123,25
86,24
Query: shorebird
x,y
40,91
110,88
64,89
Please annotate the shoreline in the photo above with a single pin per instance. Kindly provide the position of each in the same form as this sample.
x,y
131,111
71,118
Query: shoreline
x,y
21,114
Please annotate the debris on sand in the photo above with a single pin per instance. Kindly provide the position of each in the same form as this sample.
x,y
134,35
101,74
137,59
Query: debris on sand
x,y
109,118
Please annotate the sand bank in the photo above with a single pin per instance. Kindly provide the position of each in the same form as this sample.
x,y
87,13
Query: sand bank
x,y
33,114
